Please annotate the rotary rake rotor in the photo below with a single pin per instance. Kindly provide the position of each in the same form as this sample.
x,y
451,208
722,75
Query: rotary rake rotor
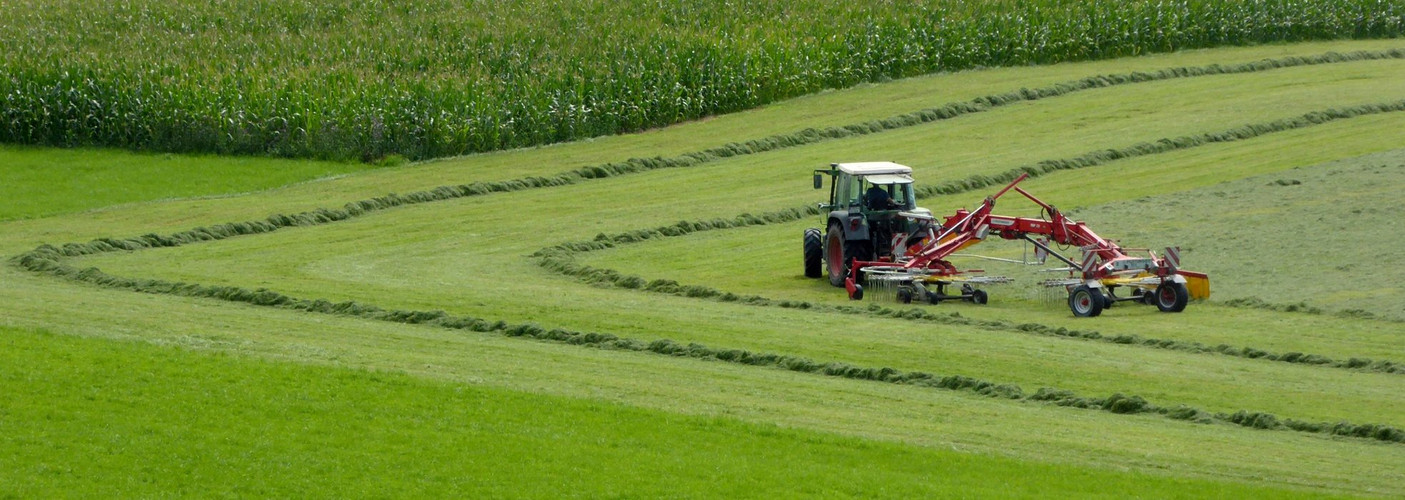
x,y
908,286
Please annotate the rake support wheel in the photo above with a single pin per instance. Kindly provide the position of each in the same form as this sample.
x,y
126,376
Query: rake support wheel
x,y
1171,297
1085,302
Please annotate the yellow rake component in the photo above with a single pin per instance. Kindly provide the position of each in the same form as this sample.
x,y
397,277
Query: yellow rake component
x,y
1197,283
977,280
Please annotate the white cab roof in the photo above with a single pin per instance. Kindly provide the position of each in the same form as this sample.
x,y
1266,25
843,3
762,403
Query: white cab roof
x,y
885,179
874,168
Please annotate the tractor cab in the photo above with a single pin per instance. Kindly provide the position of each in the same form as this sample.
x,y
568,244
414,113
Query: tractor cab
x,y
857,187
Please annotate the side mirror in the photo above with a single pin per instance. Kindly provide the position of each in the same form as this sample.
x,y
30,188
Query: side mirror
x,y
819,181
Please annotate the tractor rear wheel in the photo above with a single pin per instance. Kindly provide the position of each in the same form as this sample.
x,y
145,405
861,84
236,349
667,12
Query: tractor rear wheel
x,y
1085,302
841,252
813,251
834,254
1172,297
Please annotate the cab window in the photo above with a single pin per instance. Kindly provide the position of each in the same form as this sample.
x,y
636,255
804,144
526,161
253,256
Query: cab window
x,y
855,192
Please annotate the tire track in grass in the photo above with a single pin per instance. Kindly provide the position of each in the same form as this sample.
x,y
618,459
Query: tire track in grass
x,y
561,258
47,261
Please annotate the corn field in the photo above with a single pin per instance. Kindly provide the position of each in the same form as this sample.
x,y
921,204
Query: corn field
x,y
365,79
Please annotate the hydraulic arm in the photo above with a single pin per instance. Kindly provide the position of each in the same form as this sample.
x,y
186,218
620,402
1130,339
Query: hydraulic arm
x,y
1104,265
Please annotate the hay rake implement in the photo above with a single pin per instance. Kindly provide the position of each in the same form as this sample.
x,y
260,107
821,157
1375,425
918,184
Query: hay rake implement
x,y
880,242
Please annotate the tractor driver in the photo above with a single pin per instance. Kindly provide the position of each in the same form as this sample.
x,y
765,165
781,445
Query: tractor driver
x,y
879,199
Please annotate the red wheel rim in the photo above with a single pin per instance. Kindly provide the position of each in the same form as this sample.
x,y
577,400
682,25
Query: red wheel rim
x,y
836,257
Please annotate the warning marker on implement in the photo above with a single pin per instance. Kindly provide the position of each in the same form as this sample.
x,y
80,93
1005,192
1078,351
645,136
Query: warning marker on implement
x,y
1090,259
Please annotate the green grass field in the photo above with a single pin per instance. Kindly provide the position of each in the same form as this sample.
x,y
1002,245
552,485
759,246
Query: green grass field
x,y
43,181
257,428
709,427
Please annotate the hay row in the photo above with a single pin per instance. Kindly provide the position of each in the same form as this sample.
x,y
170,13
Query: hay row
x,y
780,141
560,258
1116,403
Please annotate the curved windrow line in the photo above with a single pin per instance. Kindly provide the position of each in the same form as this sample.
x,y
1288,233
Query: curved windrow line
x,y
638,165
1305,308
1116,403
561,258
804,137
47,259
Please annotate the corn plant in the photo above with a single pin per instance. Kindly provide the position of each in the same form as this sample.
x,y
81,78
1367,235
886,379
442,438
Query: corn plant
x,y
364,79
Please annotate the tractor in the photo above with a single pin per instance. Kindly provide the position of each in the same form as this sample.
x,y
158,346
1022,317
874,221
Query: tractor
x,y
865,203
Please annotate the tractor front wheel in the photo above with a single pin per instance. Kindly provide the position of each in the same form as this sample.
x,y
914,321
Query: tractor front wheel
x,y
813,253
1085,302
1172,297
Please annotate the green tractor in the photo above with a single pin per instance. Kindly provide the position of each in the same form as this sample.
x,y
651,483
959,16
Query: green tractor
x,y
863,221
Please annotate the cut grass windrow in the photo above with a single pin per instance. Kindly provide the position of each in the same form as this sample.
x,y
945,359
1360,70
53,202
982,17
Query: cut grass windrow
x,y
611,278
46,261
812,135
1305,308
47,258
560,258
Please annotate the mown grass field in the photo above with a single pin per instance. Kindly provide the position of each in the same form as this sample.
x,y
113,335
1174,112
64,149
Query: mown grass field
x,y
43,181
118,404
477,256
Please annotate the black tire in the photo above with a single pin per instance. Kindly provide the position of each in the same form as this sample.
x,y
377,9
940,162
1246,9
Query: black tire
x,y
934,298
858,292
979,296
904,296
834,254
1149,298
1085,302
1108,299
813,250
1172,297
